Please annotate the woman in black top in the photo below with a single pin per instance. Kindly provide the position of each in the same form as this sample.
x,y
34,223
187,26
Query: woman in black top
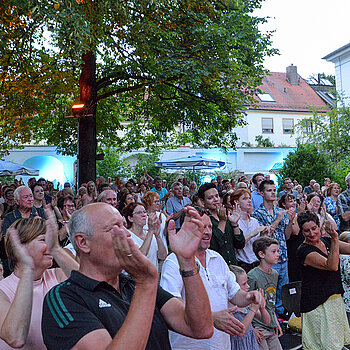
x,y
324,321
9,203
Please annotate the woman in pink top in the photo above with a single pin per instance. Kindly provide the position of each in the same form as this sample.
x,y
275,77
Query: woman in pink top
x,y
31,244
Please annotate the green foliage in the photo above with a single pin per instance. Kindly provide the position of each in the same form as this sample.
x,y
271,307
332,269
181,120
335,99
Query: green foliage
x,y
330,132
146,162
306,163
263,142
161,64
113,165
247,144
340,170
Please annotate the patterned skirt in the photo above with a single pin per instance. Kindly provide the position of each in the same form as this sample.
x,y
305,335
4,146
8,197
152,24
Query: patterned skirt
x,y
326,327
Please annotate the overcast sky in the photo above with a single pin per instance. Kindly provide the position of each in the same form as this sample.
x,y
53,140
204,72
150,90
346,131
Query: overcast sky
x,y
306,31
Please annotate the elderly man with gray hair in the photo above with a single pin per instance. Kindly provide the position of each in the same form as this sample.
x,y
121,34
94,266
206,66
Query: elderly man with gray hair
x,y
109,197
175,205
25,209
98,307
343,205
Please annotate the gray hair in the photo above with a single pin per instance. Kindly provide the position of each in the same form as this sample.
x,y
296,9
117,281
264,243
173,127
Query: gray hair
x,y
103,195
80,222
176,183
18,191
347,178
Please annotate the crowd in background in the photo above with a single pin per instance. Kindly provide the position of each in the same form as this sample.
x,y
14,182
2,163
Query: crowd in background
x,y
241,212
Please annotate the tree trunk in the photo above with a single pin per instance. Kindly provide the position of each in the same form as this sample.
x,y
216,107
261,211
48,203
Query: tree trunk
x,y
87,122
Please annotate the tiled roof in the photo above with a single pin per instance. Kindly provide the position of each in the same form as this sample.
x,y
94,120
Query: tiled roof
x,y
289,97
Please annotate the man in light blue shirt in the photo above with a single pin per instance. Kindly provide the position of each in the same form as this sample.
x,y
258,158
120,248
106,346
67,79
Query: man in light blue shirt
x,y
159,189
256,197
288,188
175,205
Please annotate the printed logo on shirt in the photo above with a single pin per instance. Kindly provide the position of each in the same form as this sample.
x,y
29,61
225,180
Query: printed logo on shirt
x,y
102,304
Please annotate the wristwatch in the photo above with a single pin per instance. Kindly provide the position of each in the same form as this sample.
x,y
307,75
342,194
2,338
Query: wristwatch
x,y
192,272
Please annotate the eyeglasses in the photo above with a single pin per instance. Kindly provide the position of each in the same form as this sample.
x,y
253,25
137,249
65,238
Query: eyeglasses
x,y
70,206
140,212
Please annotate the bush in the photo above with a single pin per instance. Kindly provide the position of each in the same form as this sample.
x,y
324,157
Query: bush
x,y
306,163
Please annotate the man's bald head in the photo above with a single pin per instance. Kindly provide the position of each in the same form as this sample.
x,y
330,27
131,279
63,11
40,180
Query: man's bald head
x,y
87,218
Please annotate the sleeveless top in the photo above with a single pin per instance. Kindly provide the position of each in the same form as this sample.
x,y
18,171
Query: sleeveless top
x,y
40,288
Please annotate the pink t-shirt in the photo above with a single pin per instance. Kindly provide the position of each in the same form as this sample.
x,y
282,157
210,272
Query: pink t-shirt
x,y
41,287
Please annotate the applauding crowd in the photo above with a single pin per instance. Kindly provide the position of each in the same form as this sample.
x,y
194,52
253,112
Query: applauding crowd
x,y
138,265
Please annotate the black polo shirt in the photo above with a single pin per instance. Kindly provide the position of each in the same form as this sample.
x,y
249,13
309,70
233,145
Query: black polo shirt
x,y
81,305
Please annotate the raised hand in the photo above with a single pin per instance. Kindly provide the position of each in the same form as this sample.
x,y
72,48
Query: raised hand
x,y
291,214
154,224
328,226
280,214
19,250
51,237
256,297
131,259
235,215
185,242
222,213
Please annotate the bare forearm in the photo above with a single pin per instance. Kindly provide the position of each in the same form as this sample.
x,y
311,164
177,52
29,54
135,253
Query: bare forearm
x,y
197,307
162,253
240,299
64,260
249,318
15,327
144,249
263,316
134,333
333,257
288,230
275,224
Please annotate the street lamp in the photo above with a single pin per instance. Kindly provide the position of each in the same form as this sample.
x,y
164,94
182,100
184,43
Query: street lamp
x,y
78,109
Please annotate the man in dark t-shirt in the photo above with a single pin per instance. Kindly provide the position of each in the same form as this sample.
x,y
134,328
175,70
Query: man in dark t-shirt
x,y
98,307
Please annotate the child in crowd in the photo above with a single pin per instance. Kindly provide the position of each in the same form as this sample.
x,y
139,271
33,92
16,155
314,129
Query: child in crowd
x,y
246,315
264,277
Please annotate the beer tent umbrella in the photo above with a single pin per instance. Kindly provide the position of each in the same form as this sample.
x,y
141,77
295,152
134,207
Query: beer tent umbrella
x,y
190,163
8,168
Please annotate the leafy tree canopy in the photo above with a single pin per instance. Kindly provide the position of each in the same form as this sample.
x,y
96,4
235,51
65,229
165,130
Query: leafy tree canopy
x,y
161,64
328,132
305,164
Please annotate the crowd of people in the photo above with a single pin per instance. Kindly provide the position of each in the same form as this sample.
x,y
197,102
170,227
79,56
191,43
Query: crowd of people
x,y
144,265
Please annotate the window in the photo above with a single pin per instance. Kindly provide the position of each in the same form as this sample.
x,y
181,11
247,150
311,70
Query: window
x,y
308,127
288,126
265,97
267,125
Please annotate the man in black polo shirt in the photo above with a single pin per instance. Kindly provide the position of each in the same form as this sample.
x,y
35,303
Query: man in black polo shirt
x,y
98,307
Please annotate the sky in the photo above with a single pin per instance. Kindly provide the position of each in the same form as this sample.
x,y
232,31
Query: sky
x,y
305,31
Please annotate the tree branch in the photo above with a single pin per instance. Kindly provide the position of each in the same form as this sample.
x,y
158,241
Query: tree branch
x,y
119,91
